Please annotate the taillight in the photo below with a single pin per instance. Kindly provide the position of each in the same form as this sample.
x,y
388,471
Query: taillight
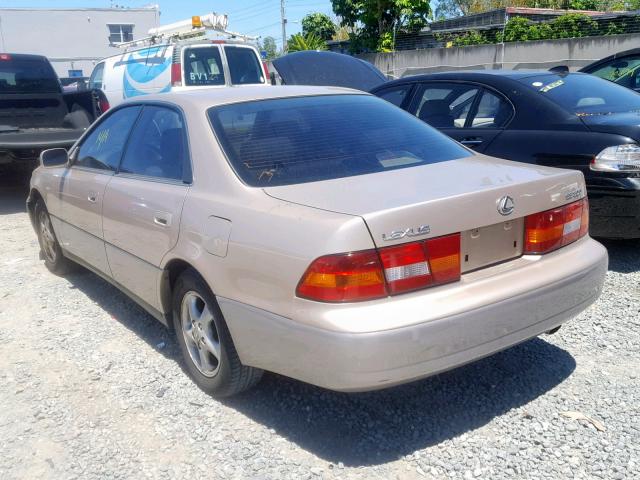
x,y
345,277
266,71
176,74
555,228
5,56
372,274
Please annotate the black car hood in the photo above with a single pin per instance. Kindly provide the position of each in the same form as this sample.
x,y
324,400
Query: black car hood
x,y
327,69
625,123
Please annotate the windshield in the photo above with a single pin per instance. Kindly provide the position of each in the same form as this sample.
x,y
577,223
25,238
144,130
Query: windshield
x,y
307,139
584,94
27,75
203,66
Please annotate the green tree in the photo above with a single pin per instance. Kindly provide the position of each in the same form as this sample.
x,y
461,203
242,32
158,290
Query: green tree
x,y
319,24
269,46
300,42
470,38
374,22
573,25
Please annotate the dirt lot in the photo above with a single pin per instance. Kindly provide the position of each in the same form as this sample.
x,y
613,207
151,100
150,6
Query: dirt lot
x,y
92,387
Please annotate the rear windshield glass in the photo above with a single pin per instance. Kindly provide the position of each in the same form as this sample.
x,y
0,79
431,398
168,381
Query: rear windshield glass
x,y
203,66
244,66
27,75
307,139
584,94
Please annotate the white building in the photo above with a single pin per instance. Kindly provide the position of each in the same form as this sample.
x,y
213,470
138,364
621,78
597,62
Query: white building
x,y
73,39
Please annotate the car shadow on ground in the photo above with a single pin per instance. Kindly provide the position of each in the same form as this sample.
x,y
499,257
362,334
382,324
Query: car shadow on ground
x,y
624,255
13,195
374,427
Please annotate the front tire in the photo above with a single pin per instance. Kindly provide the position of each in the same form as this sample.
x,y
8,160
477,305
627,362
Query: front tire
x,y
50,249
210,356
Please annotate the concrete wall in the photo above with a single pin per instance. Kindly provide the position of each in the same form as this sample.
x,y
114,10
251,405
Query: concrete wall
x,y
543,54
70,38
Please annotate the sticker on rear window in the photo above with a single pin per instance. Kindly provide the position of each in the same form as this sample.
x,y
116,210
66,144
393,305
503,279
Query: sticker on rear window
x,y
551,86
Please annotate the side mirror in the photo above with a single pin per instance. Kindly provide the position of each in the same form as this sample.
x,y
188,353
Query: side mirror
x,y
54,157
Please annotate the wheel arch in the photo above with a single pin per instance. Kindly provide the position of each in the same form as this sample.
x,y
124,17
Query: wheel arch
x,y
170,273
32,200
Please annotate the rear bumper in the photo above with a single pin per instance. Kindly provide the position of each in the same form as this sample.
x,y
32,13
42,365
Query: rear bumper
x,y
615,213
348,361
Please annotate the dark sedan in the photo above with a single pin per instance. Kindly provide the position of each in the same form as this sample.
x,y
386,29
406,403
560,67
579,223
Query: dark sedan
x,y
569,120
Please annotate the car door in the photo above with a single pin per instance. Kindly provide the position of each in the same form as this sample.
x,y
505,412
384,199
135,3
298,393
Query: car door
x,y
82,186
143,201
469,113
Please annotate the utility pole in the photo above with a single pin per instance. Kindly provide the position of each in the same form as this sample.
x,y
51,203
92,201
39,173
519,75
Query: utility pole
x,y
284,27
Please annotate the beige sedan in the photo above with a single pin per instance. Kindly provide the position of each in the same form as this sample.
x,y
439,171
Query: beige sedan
x,y
319,233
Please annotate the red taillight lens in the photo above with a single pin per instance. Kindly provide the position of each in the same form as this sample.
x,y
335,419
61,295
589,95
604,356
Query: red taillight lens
x,y
103,104
176,74
345,277
266,71
371,274
552,229
5,56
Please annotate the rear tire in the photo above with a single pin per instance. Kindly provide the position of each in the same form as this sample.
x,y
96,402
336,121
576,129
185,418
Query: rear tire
x,y
50,249
209,354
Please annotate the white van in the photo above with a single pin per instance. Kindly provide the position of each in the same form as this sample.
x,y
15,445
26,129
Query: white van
x,y
181,65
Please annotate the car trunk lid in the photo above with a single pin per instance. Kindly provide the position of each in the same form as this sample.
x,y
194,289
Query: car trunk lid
x,y
472,196
618,123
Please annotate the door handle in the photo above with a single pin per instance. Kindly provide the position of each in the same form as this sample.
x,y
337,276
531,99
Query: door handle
x,y
471,141
92,197
162,219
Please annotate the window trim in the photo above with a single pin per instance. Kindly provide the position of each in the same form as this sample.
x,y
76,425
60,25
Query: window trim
x,y
120,25
187,172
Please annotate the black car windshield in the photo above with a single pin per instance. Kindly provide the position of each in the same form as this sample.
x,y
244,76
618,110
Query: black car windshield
x,y
307,139
27,75
584,94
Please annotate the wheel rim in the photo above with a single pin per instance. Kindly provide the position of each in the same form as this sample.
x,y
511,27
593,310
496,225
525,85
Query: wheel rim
x,y
200,334
47,237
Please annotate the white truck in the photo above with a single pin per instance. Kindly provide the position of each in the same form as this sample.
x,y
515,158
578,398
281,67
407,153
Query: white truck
x,y
190,54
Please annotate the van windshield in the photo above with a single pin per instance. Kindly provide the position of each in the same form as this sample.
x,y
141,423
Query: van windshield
x,y
308,139
203,66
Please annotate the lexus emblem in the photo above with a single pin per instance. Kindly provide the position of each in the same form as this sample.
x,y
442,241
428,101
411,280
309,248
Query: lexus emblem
x,y
506,205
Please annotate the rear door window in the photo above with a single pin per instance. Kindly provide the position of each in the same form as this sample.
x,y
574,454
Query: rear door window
x,y
244,66
305,139
203,66
446,105
102,148
493,111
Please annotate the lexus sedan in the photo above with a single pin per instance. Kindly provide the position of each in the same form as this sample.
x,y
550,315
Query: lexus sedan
x,y
320,233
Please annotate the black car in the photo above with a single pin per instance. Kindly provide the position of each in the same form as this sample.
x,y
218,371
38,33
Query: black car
x,y
622,68
558,119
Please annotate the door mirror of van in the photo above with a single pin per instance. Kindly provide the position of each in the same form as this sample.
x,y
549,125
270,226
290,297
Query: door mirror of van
x,y
54,157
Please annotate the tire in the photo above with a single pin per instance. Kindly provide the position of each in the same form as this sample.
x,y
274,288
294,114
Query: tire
x,y
50,249
208,351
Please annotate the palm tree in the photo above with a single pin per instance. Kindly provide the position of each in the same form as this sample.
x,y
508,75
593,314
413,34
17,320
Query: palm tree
x,y
310,41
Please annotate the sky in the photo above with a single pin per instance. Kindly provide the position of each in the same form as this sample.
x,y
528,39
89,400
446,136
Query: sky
x,y
251,17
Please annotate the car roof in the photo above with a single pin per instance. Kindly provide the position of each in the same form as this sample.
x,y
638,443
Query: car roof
x,y
210,97
490,76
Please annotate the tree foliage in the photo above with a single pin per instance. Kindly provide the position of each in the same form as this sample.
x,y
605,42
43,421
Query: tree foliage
x,y
299,42
374,22
318,24
269,46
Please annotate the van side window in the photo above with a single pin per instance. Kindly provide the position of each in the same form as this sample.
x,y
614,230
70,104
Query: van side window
x,y
158,146
203,66
102,149
244,66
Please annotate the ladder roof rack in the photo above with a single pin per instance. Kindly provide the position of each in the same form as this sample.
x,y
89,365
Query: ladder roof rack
x,y
196,27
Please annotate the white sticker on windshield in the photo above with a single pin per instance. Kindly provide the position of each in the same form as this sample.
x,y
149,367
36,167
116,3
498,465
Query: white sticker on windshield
x,y
551,86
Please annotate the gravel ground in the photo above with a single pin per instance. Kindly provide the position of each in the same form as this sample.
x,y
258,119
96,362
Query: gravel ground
x,y
92,387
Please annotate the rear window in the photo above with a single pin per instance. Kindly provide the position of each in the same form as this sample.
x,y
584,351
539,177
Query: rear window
x,y
244,66
27,75
203,66
584,94
307,139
